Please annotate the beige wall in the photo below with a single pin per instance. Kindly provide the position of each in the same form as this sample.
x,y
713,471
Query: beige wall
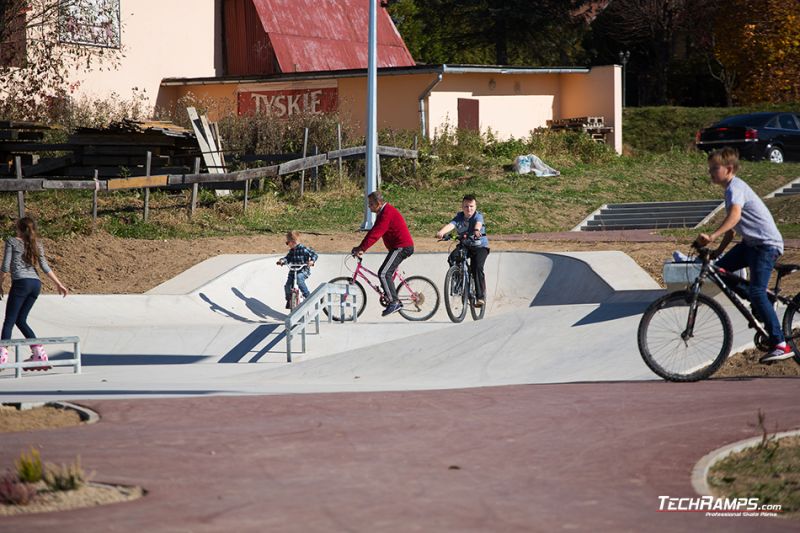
x,y
509,104
160,39
598,93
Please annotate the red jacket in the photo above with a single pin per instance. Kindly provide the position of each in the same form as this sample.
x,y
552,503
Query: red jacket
x,y
390,225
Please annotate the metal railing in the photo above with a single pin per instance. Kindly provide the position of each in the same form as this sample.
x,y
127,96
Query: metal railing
x,y
19,365
307,312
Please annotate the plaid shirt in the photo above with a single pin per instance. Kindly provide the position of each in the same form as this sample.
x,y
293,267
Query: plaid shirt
x,y
301,255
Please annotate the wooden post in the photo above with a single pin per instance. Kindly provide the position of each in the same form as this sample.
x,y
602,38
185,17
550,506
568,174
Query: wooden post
x,y
315,171
20,194
94,198
339,139
147,189
416,148
305,153
246,191
195,186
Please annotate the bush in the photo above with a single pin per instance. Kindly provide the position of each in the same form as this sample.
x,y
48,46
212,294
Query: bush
x,y
29,466
65,477
16,492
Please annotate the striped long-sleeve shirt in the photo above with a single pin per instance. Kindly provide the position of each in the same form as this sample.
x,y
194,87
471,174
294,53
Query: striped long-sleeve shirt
x,y
14,262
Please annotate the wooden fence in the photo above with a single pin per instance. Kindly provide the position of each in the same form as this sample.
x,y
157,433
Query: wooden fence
x,y
20,184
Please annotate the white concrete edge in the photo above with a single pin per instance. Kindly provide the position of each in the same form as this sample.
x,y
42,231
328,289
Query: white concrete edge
x,y
701,469
588,218
710,216
86,415
205,272
781,189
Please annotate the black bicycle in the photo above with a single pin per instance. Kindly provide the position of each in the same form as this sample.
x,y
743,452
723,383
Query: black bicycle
x,y
686,335
459,283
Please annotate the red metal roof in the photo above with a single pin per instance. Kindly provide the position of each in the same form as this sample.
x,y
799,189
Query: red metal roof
x,y
320,35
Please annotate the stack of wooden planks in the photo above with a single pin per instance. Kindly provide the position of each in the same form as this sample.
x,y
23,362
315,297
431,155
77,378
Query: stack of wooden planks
x,y
593,126
120,150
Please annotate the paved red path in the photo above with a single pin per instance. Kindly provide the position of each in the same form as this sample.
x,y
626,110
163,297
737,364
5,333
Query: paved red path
x,y
591,457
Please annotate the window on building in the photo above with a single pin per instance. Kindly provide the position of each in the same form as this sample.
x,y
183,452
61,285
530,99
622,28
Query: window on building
x,y
90,22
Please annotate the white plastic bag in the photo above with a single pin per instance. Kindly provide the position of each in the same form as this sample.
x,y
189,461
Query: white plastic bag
x,y
525,164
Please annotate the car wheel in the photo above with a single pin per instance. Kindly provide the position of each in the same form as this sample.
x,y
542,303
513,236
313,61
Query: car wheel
x,y
775,155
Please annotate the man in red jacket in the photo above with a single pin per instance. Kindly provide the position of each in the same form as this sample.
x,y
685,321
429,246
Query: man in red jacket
x,y
390,225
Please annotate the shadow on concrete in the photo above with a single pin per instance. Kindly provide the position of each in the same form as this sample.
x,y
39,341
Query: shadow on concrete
x,y
247,345
257,307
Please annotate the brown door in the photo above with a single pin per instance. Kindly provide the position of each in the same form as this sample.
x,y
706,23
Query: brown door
x,y
468,116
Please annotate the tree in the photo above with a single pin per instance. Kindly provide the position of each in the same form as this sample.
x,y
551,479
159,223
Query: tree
x,y
500,32
761,47
43,43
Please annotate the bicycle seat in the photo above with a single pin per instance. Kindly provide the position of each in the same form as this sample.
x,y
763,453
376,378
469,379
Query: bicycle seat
x,y
786,268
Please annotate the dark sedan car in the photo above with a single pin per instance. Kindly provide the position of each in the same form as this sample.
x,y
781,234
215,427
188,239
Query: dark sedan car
x,y
772,136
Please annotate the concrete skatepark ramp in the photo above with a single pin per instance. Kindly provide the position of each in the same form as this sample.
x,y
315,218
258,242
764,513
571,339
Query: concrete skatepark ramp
x,y
218,329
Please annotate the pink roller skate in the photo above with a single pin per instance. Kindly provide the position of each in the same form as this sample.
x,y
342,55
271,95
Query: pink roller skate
x,y
37,354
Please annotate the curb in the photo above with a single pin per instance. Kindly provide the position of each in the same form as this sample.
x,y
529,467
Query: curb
x,y
86,415
700,470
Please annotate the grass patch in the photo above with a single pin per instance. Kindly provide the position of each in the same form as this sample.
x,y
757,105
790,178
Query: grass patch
x,y
769,471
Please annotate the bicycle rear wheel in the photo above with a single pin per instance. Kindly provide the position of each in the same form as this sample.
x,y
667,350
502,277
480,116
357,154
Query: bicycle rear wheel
x,y
338,299
455,294
421,301
673,357
791,327
476,312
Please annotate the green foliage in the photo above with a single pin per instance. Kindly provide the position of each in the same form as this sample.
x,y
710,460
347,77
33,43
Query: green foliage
x,y
65,477
16,492
29,466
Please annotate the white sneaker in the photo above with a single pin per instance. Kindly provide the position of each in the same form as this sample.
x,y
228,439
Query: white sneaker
x,y
778,353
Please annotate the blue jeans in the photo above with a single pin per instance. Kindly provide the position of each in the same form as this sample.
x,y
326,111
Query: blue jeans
x,y
21,298
302,275
760,260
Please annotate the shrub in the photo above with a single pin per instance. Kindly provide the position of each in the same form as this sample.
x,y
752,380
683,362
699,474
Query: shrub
x,y
16,492
29,466
65,477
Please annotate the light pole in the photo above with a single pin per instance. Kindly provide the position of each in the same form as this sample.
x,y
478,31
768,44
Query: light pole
x,y
623,59
370,182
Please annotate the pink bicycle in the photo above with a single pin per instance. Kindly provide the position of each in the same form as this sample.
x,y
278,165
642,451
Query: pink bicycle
x,y
418,294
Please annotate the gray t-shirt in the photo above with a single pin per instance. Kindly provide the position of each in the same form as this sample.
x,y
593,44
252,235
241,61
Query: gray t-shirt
x,y
757,227
467,225
14,262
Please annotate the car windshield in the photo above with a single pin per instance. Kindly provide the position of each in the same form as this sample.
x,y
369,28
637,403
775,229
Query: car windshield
x,y
745,120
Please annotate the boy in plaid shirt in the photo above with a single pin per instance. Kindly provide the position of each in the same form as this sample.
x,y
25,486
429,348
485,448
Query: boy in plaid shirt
x,y
298,254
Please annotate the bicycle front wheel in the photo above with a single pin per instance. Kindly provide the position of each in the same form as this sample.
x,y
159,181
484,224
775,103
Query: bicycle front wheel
x,y
294,300
338,299
420,298
673,354
791,327
455,294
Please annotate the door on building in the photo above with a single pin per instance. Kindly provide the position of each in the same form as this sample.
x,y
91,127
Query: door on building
x,y
468,115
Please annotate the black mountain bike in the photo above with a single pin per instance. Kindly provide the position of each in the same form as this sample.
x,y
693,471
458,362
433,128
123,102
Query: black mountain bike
x,y
458,286
686,335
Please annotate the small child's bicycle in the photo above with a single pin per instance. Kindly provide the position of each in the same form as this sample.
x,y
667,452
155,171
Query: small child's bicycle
x,y
686,335
295,296
458,285
418,294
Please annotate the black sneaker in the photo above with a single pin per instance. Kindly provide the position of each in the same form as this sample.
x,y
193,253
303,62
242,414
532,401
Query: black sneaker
x,y
288,304
392,308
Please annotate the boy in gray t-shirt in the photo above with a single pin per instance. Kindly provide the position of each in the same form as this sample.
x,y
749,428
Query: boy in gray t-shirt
x,y
760,248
